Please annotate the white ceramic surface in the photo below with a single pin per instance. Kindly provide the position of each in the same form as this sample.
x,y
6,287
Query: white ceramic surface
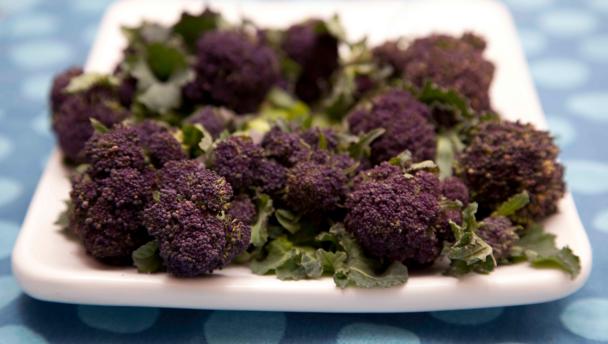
x,y
50,267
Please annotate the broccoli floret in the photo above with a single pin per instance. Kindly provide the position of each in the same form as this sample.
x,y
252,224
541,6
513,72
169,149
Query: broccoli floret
x,y
214,120
187,218
242,208
406,125
500,234
315,50
312,137
283,146
159,143
506,158
453,188
394,216
390,54
232,70
201,186
107,213
453,63
315,188
60,82
270,176
72,113
236,159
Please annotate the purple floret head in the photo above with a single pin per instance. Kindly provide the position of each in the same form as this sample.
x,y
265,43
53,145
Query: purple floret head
x,y
214,120
159,143
406,125
116,149
454,189
243,208
393,216
236,159
283,146
107,213
316,51
232,70
506,158
500,234
60,82
390,54
270,176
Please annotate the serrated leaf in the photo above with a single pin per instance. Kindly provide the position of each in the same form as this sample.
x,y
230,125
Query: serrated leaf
x,y
192,27
279,252
361,147
513,204
288,220
259,230
146,258
540,249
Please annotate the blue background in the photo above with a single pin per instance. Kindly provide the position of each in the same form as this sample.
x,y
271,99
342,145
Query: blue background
x,y
566,43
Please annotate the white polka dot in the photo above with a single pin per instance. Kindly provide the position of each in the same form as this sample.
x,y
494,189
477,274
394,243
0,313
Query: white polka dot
x,y
469,317
6,147
592,105
563,130
15,6
37,87
17,334
10,190
533,42
364,333
600,221
559,73
527,5
587,318
91,6
587,177
568,22
41,124
9,290
118,319
245,327
8,235
33,24
595,48
599,5
40,53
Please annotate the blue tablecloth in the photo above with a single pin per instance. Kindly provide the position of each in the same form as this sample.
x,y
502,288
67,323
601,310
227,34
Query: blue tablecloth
x,y
566,43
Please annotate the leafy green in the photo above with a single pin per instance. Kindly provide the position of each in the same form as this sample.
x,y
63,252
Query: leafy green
x,y
360,146
513,204
146,258
259,230
164,60
281,106
98,127
540,249
469,253
360,271
191,27
288,220
195,139
445,100
85,81
448,146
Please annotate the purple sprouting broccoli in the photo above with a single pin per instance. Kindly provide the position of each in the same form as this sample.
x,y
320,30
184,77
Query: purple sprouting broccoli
x,y
243,164
135,146
243,208
283,146
73,111
453,189
406,124
60,82
391,54
312,137
106,213
159,143
190,219
394,216
506,158
500,233
214,120
453,63
232,70
315,50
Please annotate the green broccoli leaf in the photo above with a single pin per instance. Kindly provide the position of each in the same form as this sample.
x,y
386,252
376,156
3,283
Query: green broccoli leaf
x,y
360,271
259,230
191,27
360,147
85,81
513,204
146,33
540,249
98,127
289,262
279,252
331,261
146,258
448,146
288,220
446,100
164,60
469,253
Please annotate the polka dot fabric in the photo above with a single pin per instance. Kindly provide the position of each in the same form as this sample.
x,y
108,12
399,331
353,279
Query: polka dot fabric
x,y
566,42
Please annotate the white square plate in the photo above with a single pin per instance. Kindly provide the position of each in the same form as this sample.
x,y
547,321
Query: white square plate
x,y
50,267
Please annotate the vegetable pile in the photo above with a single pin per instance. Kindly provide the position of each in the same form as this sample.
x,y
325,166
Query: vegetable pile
x,y
302,154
